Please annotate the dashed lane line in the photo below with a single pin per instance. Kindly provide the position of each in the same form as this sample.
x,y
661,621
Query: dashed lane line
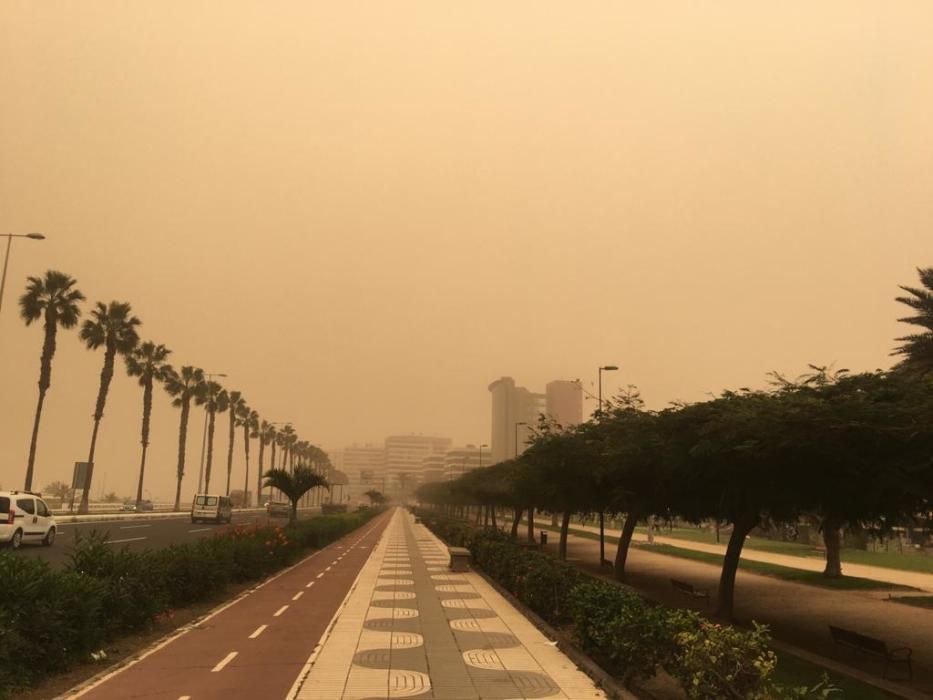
x,y
259,630
298,595
320,575
280,611
134,527
129,539
309,584
227,659
201,529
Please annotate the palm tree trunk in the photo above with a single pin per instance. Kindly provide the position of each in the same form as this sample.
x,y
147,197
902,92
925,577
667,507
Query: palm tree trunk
x,y
210,451
147,413
262,449
182,446
32,443
247,501
230,449
106,375
294,514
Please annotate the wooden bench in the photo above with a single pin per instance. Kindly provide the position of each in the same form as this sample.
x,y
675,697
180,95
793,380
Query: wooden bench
x,y
459,558
688,590
873,647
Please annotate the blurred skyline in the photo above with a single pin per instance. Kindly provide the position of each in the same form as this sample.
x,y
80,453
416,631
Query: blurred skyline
x,y
364,213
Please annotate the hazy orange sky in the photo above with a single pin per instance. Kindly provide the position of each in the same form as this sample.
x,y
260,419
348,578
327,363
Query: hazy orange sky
x,y
364,212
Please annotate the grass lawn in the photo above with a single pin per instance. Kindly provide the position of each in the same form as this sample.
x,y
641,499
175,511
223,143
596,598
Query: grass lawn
x,y
796,672
919,601
813,578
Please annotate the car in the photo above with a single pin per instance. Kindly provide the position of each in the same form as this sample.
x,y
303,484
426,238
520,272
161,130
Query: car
x,y
128,508
146,506
278,509
211,507
25,519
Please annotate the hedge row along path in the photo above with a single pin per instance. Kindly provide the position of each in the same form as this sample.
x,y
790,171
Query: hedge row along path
x,y
254,647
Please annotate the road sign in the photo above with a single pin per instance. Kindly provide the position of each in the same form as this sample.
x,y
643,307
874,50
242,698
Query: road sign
x,y
79,479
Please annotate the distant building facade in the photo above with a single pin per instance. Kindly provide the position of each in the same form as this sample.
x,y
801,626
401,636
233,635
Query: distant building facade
x,y
405,457
460,460
365,468
515,412
564,402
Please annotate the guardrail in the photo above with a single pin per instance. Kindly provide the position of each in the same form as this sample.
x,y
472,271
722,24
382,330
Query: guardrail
x,y
151,515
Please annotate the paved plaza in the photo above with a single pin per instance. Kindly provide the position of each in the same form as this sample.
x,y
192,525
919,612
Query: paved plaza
x,y
412,629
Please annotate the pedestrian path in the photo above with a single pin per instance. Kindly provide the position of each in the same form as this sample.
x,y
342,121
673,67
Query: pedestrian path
x,y
410,628
914,579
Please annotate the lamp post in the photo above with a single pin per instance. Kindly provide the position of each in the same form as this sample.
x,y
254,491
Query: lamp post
x,y
204,437
516,435
481,455
602,514
6,258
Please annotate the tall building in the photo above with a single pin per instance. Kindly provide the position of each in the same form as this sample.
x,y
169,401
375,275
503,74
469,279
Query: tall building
x,y
564,402
460,460
515,412
432,468
405,459
365,468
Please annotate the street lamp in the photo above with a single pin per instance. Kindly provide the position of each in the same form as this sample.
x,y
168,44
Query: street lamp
x,y
204,437
516,435
6,258
481,455
602,514
606,368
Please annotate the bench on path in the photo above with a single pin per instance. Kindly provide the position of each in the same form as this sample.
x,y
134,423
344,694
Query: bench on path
x,y
689,591
873,647
459,558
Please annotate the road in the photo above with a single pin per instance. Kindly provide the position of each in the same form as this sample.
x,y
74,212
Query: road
x,y
256,646
137,534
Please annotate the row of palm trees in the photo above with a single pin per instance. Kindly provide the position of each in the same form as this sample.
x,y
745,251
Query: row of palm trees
x,y
55,300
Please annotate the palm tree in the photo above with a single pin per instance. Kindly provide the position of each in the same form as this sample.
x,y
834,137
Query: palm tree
x,y
112,327
148,363
285,438
917,348
294,484
247,419
183,387
215,400
234,402
266,437
55,299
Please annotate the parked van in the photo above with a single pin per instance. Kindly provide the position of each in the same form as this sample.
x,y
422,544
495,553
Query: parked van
x,y
25,518
207,507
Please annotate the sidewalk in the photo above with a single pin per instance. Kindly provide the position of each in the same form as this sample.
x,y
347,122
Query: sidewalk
x,y
796,613
914,579
412,629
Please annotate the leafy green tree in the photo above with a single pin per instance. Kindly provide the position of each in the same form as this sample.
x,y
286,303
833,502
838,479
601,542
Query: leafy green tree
x,y
375,497
111,327
147,362
183,387
235,403
55,299
215,400
58,489
917,348
294,484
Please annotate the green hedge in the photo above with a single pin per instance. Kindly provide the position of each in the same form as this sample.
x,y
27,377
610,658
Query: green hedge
x,y
51,619
627,635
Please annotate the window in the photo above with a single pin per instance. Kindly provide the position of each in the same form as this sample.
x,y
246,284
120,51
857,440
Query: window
x,y
4,504
43,509
27,505
206,500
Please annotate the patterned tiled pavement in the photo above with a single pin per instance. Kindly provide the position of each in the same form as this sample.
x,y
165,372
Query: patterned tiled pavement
x,y
412,629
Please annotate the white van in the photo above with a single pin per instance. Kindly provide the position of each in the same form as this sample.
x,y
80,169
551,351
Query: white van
x,y
25,518
208,507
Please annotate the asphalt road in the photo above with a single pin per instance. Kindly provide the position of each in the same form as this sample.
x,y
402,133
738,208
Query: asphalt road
x,y
137,534
256,646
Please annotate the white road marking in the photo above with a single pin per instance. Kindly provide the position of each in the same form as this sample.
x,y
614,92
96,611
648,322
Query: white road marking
x,y
201,529
320,575
298,595
259,630
185,697
133,527
130,539
333,562
280,611
310,583
227,659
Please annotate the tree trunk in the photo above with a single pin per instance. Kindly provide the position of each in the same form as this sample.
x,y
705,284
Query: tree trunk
x,y
730,565
531,524
294,514
832,538
247,501
147,413
182,446
210,451
516,522
602,538
30,465
564,527
628,529
106,375
230,449
492,514
262,449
